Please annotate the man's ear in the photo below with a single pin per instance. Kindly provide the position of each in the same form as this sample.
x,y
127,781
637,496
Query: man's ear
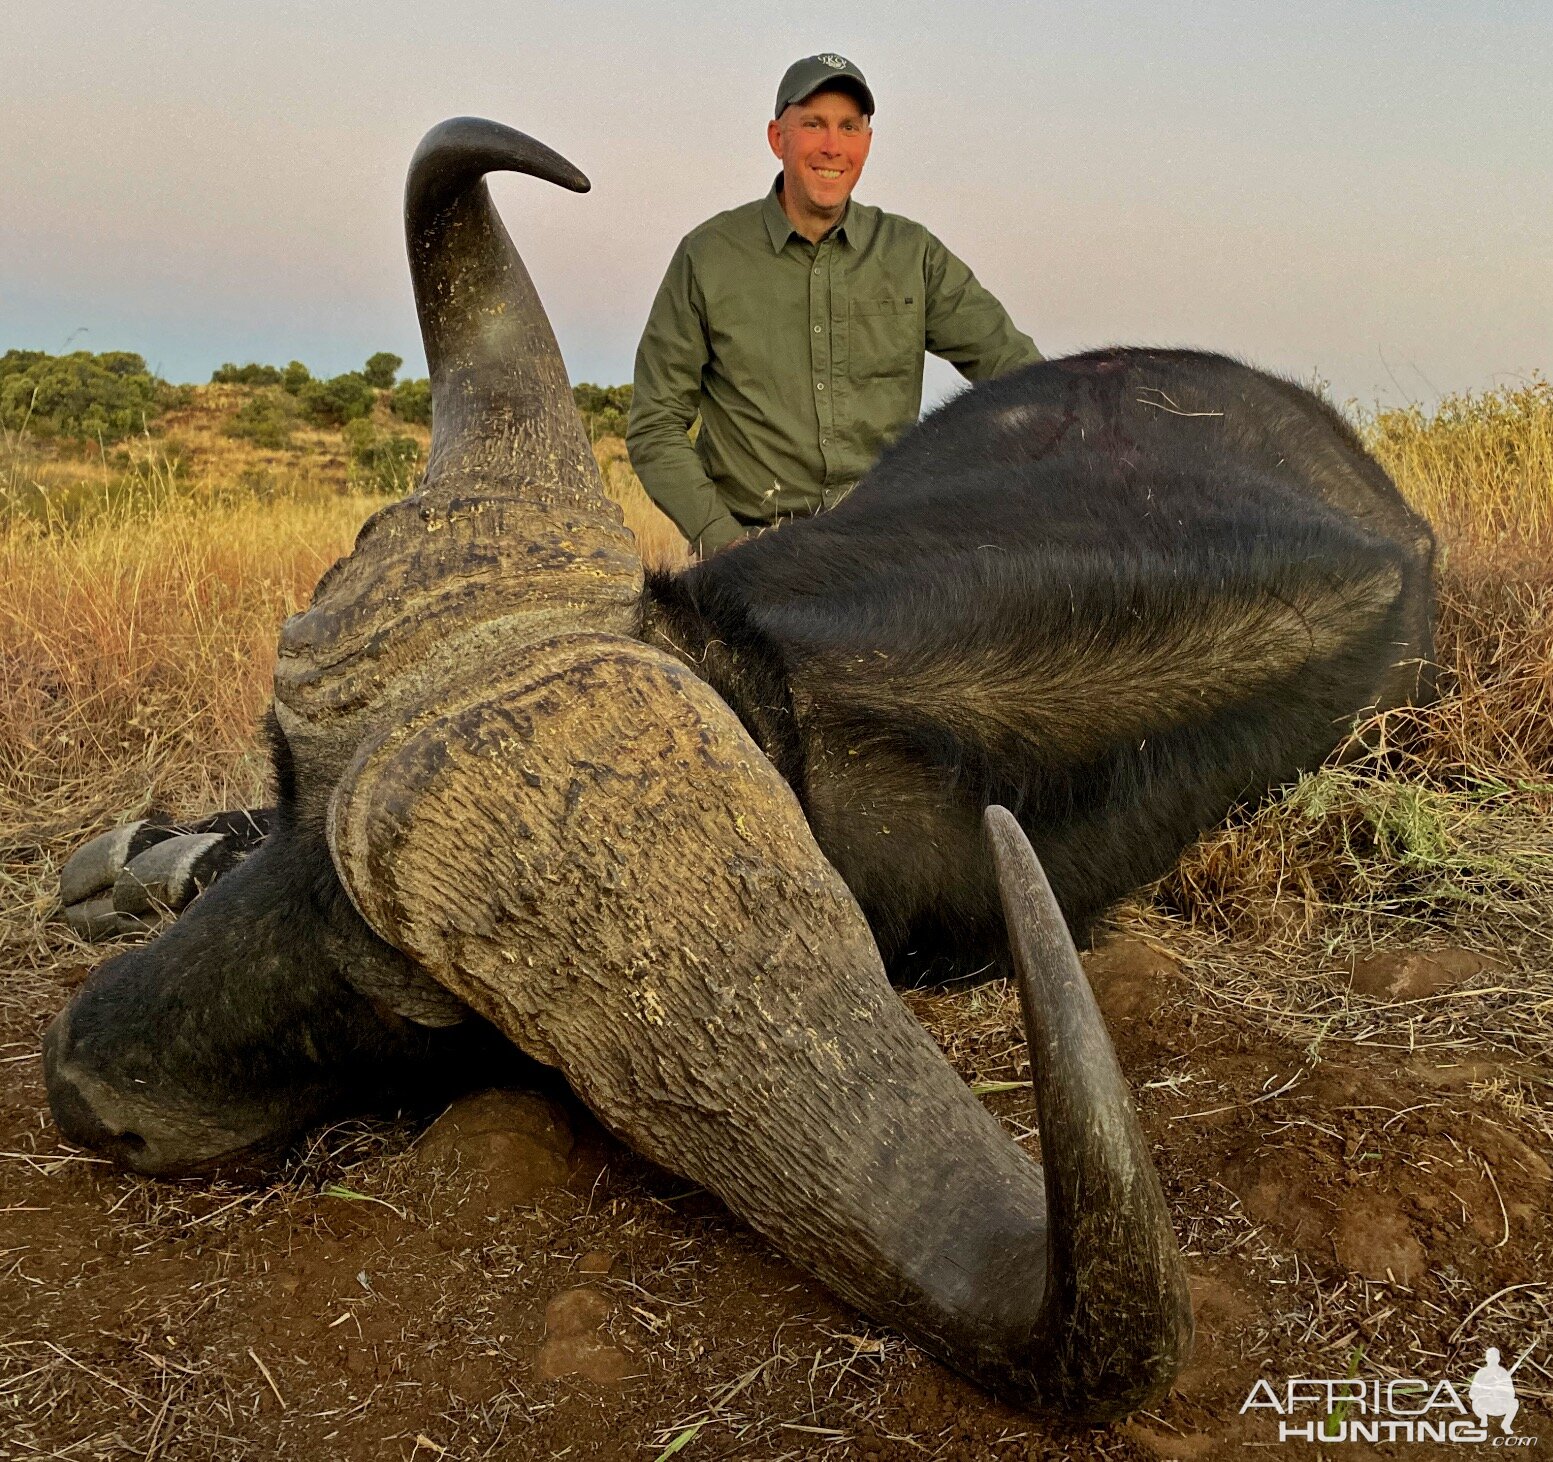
x,y
774,137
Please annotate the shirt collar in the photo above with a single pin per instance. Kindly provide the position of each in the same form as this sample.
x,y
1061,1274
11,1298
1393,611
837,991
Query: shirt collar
x,y
856,227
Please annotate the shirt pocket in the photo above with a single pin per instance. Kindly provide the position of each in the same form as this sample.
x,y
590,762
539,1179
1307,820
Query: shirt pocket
x,y
886,337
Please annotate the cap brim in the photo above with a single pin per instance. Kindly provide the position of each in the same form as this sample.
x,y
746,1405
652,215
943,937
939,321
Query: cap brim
x,y
850,84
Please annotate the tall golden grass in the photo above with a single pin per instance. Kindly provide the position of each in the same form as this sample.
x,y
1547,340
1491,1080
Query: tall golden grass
x,y
136,648
144,590
1479,467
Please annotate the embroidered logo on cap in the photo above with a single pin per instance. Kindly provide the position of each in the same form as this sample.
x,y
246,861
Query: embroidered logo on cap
x,y
834,62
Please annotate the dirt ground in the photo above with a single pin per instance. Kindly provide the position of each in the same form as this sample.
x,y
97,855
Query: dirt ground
x,y
1355,1153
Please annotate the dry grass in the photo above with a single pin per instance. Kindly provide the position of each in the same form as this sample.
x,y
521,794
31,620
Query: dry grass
x,y
136,650
661,543
1480,468
143,597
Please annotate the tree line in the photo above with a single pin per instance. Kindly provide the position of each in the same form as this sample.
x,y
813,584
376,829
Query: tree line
x,y
108,396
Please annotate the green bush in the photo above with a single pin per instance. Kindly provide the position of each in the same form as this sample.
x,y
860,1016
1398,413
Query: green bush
x,y
381,369
604,409
360,438
98,397
252,374
295,377
268,420
388,464
338,400
411,402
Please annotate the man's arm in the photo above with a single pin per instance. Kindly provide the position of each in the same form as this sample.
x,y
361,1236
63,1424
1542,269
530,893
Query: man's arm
x,y
664,401
966,325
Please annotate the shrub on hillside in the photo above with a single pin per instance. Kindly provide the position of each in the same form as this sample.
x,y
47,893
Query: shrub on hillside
x,y
267,420
411,402
295,377
381,369
98,397
252,374
386,464
604,409
338,400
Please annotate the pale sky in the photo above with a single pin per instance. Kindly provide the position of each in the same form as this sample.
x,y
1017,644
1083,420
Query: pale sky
x,y
1360,191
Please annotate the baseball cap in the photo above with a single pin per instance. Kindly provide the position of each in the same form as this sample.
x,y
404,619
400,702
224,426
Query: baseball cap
x,y
804,78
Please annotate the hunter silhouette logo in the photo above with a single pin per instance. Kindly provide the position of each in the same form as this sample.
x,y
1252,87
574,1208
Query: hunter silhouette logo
x,y
1492,1392
1350,1409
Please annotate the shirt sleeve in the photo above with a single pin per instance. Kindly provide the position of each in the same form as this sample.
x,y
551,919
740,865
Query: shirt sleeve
x,y
665,399
966,325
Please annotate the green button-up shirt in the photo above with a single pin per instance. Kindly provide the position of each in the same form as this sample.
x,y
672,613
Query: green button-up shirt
x,y
802,360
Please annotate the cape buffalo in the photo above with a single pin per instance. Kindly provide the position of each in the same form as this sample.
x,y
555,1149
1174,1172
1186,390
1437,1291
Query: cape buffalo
x,y
638,828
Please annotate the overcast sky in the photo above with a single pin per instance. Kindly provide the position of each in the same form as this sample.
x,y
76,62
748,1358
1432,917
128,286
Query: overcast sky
x,y
1359,190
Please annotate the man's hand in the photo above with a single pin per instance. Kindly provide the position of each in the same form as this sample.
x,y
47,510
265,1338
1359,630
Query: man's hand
x,y
124,880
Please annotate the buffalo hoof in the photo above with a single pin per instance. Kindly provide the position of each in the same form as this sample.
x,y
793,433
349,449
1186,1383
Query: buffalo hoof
x,y
124,880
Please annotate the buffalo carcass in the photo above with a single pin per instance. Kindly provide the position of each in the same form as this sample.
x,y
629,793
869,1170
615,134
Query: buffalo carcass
x,y
1117,593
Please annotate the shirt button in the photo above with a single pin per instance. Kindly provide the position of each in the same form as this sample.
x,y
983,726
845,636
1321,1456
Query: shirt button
x,y
816,329
816,268
824,441
819,385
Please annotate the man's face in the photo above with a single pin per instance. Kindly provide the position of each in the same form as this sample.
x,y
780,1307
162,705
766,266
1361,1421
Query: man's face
x,y
823,143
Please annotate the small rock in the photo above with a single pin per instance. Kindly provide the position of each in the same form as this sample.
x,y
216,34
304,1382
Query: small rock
x,y
515,1145
574,1311
582,1355
596,1261
524,1113
1412,975
575,1344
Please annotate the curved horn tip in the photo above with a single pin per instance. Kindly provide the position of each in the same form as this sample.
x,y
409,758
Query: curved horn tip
x,y
1018,866
468,147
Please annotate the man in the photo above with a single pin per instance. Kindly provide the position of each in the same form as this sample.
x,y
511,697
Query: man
x,y
795,328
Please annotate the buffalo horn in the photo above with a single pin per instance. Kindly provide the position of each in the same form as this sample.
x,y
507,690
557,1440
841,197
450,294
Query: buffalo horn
x,y
509,535
1115,1272
593,854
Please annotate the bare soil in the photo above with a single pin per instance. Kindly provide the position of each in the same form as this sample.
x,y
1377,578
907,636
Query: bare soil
x,y
1365,1193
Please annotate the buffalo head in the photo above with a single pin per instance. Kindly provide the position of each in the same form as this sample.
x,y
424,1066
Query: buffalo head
x,y
490,781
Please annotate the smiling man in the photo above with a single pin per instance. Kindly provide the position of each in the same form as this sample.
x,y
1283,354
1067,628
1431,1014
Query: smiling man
x,y
795,328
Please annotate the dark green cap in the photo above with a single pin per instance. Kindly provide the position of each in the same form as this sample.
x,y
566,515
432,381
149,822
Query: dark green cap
x,y
803,78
